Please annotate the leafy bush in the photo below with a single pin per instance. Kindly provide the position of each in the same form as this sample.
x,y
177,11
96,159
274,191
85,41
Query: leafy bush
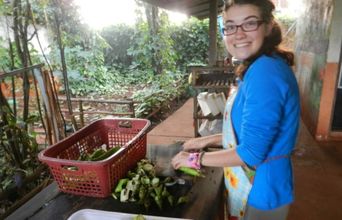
x,y
192,42
153,51
285,20
135,47
18,147
288,26
160,90
119,38
87,73
5,61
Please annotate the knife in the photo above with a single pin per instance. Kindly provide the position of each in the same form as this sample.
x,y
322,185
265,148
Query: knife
x,y
161,156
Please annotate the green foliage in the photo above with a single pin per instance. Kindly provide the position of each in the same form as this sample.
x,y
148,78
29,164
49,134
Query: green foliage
x,y
119,39
4,8
18,147
121,55
164,45
192,42
5,61
51,12
87,73
188,43
160,90
157,48
285,20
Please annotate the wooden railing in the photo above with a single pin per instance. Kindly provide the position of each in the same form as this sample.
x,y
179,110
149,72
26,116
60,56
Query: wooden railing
x,y
82,111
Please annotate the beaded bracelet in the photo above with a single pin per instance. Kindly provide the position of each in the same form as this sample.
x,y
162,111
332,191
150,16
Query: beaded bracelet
x,y
193,160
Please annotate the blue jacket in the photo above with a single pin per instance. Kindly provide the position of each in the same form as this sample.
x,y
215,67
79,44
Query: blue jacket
x,y
265,116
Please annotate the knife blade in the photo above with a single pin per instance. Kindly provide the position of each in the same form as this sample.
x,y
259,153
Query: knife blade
x,y
161,156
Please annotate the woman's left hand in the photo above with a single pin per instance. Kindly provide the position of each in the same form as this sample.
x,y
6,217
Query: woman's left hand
x,y
180,160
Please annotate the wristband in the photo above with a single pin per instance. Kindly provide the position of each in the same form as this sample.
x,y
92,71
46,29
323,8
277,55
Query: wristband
x,y
193,161
201,158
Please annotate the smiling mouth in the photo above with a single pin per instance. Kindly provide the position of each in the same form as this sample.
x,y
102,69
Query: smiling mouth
x,y
241,45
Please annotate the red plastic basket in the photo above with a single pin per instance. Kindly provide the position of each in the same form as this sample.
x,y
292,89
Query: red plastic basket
x,y
97,178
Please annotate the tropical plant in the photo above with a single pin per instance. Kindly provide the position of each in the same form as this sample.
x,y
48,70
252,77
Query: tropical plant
x,y
192,42
86,70
119,39
152,46
160,91
18,146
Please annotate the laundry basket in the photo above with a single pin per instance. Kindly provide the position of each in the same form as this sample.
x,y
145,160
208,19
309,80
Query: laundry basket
x,y
97,178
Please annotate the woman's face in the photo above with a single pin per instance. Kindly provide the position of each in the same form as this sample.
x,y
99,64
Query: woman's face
x,y
242,44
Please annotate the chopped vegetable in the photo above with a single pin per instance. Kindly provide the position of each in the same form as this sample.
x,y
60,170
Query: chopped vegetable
x,y
139,217
182,199
124,195
121,184
191,171
144,187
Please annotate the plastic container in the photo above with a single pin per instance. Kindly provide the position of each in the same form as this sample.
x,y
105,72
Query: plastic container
x,y
204,128
97,178
220,101
203,103
215,126
212,104
210,127
92,214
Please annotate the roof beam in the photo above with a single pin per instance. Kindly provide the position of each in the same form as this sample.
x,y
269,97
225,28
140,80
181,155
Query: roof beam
x,y
197,8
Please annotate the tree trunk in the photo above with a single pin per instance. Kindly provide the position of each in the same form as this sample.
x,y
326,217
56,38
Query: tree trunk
x,y
11,55
20,25
64,66
152,17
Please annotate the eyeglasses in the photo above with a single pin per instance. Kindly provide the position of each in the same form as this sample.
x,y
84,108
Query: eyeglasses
x,y
247,26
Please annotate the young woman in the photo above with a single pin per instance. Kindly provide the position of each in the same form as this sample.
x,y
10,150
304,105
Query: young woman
x,y
261,119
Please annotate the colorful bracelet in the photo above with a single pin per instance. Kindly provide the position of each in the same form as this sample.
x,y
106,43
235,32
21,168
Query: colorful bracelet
x,y
193,160
201,158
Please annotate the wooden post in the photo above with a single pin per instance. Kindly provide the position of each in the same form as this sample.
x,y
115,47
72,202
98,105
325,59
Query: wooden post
x,y
213,32
81,113
131,108
51,123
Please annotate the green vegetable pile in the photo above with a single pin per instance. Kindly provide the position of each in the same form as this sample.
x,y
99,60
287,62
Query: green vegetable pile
x,y
98,154
143,186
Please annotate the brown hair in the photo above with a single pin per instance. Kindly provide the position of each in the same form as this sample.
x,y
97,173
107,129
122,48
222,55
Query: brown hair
x,y
271,42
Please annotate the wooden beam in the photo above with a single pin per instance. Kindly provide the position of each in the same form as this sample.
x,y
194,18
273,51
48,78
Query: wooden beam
x,y
197,8
122,102
20,71
183,5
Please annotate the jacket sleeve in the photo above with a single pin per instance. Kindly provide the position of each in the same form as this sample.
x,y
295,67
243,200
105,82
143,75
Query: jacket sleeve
x,y
265,95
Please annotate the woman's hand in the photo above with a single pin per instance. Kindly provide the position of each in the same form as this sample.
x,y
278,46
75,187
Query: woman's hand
x,y
202,142
180,160
194,144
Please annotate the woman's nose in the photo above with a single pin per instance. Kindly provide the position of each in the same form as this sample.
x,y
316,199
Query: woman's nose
x,y
240,33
